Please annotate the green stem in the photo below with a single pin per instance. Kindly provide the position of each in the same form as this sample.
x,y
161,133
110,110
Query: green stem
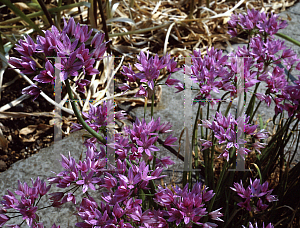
x,y
104,25
252,116
152,104
251,103
211,164
217,189
194,141
79,117
48,16
40,13
288,38
22,15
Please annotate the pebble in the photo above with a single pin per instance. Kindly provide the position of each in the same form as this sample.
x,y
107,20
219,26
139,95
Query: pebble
x,y
3,165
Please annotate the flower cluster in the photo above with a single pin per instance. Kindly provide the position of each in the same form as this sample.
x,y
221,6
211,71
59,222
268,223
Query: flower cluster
x,y
208,72
149,72
229,131
98,118
66,48
27,205
187,206
255,20
253,195
140,140
263,53
251,226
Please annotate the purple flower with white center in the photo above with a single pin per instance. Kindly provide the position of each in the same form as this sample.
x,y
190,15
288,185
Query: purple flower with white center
x,y
32,90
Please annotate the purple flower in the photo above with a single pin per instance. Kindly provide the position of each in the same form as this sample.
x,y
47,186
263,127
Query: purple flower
x,y
165,161
68,66
251,226
27,46
142,92
129,73
82,33
25,64
169,140
171,67
80,83
88,181
175,216
254,190
46,75
169,82
216,214
66,47
3,219
32,90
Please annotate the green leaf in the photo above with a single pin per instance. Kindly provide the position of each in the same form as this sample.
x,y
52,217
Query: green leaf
x,y
40,13
22,15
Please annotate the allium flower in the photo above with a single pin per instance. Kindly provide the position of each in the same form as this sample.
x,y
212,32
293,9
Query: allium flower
x,y
149,68
254,190
169,82
32,90
25,64
224,130
62,44
207,72
26,205
68,66
251,226
27,46
88,181
3,219
46,75
185,205
262,22
80,83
